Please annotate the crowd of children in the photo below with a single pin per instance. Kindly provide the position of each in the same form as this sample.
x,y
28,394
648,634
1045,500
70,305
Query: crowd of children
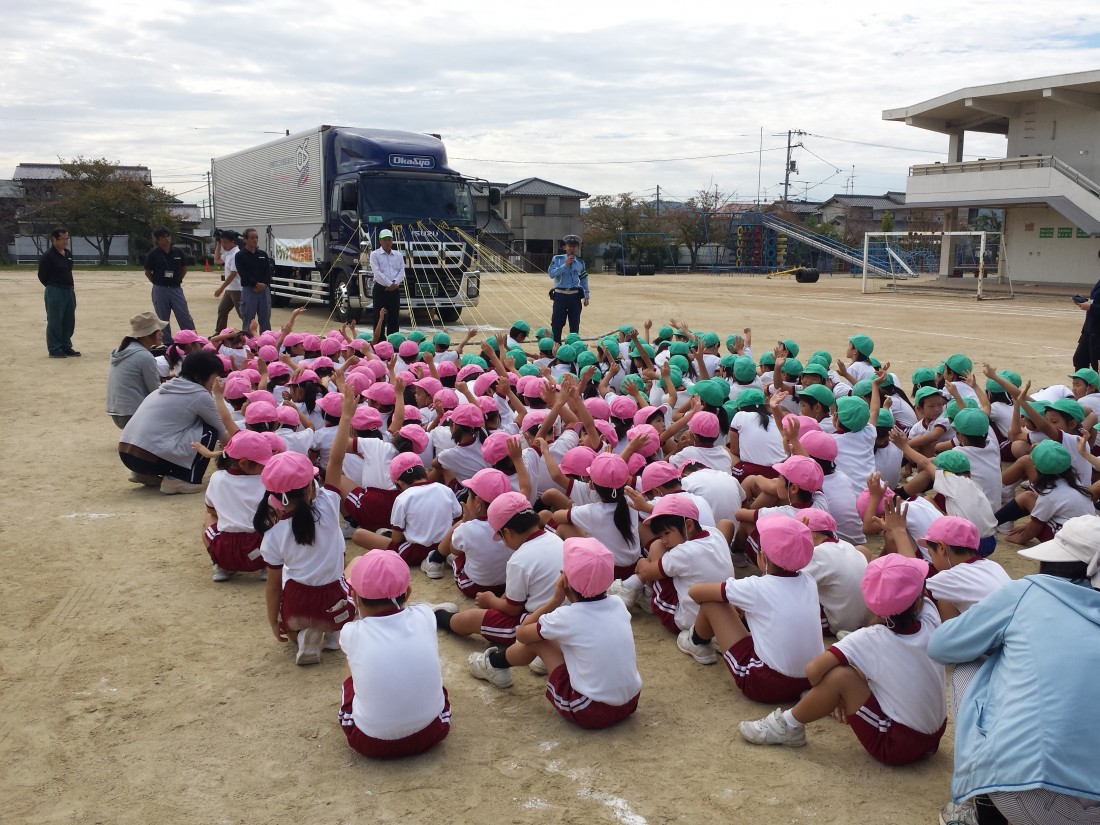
x,y
568,488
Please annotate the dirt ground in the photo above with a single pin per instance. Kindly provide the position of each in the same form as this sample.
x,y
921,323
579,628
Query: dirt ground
x,y
135,690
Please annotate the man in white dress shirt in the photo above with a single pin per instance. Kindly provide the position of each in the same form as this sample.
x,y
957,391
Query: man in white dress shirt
x,y
388,268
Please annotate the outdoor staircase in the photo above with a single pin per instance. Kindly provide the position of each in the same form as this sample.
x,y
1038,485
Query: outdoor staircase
x,y
877,262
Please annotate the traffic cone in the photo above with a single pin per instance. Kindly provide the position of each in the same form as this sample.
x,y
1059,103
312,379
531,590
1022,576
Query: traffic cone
x,y
205,264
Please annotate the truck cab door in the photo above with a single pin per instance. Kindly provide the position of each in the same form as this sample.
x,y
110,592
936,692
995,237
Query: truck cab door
x,y
344,211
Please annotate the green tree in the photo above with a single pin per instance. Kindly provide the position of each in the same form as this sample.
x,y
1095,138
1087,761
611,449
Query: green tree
x,y
98,201
693,223
887,222
607,217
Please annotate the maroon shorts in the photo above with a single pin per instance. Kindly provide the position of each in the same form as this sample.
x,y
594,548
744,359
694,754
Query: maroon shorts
x,y
757,681
326,607
744,469
499,627
625,571
890,742
411,552
468,586
410,745
1046,532
578,708
664,602
239,552
370,507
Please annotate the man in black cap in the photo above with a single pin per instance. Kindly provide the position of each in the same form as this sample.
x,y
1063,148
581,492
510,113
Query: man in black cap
x,y
570,290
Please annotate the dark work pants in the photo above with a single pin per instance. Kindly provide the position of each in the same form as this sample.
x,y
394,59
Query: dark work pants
x,y
161,467
60,319
566,307
391,302
1088,349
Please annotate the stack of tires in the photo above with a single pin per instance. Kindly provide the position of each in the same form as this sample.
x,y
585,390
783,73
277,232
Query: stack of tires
x,y
806,275
623,268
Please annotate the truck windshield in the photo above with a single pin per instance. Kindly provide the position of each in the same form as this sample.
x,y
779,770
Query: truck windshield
x,y
405,200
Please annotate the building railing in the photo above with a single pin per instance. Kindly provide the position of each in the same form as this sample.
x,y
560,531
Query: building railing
x,y
1007,165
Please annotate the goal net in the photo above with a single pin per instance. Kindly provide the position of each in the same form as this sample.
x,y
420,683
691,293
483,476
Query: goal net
x,y
968,264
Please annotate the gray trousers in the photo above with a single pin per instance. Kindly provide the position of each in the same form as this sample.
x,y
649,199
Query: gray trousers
x,y
256,305
170,299
231,299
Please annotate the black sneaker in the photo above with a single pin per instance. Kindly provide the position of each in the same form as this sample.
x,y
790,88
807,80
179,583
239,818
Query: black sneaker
x,y
71,353
58,355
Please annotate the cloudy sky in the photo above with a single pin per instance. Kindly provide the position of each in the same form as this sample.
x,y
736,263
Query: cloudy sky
x,y
606,97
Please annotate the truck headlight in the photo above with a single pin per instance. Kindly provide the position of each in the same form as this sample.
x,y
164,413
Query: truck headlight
x,y
473,284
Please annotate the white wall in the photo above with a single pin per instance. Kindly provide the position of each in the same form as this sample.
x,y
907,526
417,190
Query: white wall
x,y
1044,127
1032,259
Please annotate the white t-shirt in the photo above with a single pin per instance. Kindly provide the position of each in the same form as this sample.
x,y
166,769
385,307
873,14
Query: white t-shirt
x,y
736,389
716,458
964,585
317,417
377,455
581,493
532,461
921,428
907,684
888,463
441,439
463,462
486,557
229,259
904,415
296,441
838,569
706,514
236,355
985,468
425,512
322,443
394,662
705,558
755,444
964,498
840,500
236,498
920,515
720,490
1059,504
598,646
533,571
558,448
598,521
353,466
315,564
1001,416
1080,464
856,453
858,370
785,618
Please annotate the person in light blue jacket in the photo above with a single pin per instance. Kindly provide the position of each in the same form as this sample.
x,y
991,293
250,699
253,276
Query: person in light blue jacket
x,y
1027,730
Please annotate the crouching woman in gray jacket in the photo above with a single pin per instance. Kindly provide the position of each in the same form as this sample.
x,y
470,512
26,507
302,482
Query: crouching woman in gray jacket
x,y
132,373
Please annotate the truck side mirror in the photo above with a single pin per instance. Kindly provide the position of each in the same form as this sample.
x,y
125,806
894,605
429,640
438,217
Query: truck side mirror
x,y
494,196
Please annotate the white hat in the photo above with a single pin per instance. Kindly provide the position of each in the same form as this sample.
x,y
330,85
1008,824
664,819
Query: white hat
x,y
1078,540
145,323
385,233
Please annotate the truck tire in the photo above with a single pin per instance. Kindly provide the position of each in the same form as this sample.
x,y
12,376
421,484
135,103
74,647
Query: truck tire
x,y
450,314
342,308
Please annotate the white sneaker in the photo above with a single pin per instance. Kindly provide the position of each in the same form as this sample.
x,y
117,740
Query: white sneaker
x,y
331,641
346,528
481,669
645,600
1006,527
538,667
959,813
629,595
263,574
141,478
175,487
221,574
309,647
704,654
772,730
432,569
840,634
450,607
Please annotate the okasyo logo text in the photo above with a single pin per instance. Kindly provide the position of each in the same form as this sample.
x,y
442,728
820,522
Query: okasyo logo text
x,y
412,161
301,162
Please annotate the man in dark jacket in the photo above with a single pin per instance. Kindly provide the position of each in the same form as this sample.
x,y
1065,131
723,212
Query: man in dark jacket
x,y
55,271
1088,345
254,269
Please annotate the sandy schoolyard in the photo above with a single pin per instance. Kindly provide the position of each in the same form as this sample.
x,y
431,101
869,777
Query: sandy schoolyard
x,y
135,690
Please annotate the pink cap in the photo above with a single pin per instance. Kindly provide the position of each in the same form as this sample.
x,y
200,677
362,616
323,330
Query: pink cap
x,y
357,344
304,376
891,583
402,462
430,385
359,380
863,500
366,418
412,415
259,413
635,463
533,420
260,396
598,408
286,472
332,404
311,343
589,566
468,370
488,405
488,484
288,416
532,387
236,386
227,364
419,369
268,353
384,350
251,374
676,505
331,346
607,433
468,415
819,521
704,424
185,336
609,470
953,530
381,393
275,442
377,368
786,541
293,339
576,461
505,507
485,382
653,439
416,436
656,474
818,444
495,447
379,574
249,445
408,376
624,407
803,471
408,349
645,413
805,423
228,332
447,397
277,369
321,362
446,369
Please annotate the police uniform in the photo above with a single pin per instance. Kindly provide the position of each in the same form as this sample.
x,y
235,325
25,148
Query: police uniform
x,y
570,290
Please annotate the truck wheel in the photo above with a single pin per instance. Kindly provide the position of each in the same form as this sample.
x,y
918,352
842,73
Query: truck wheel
x,y
450,315
342,308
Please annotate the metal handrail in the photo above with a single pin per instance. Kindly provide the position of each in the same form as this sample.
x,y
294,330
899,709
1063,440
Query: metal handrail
x,y
1007,165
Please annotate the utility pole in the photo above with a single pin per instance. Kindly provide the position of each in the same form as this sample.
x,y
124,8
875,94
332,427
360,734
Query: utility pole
x,y
658,200
210,199
790,164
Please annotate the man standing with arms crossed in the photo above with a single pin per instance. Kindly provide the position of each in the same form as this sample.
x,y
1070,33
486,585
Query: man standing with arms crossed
x,y
164,267
254,269
570,288
388,268
55,272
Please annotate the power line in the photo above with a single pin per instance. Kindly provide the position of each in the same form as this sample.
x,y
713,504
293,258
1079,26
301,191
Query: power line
x,y
617,162
881,145
144,125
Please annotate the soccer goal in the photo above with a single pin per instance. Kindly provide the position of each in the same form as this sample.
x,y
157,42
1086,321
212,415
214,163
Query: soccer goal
x,y
970,264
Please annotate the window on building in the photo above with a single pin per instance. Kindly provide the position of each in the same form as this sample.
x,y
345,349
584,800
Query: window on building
x,y
536,210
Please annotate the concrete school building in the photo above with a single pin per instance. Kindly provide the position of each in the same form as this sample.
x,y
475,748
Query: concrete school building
x,y
1046,183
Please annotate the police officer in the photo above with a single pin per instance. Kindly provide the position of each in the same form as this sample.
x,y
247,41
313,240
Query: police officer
x,y
164,267
570,290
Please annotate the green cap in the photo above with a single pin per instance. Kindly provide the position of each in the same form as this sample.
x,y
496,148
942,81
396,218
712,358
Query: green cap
x,y
573,338
492,342
712,392
365,336
680,362
731,408
711,339
874,362
959,363
824,356
649,350
939,368
441,339
519,357
522,326
476,360
626,329
528,369
396,339
926,392
664,333
815,368
1087,375
426,346
792,367
676,376
819,393
546,345
610,344
744,369
417,335
953,461
679,348
767,360
853,413
567,353
1067,406
862,388
791,346
863,344
726,362
632,380
885,418
1013,377
752,397
1039,407
731,340
543,332
922,375
971,421
586,359
952,408
1051,458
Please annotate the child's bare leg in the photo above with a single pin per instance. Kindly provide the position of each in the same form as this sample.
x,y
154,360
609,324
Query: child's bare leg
x,y
208,522
570,531
556,499
842,686
866,551
918,484
549,652
1018,471
1020,448
727,528
720,621
467,622
369,539
645,534
751,486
